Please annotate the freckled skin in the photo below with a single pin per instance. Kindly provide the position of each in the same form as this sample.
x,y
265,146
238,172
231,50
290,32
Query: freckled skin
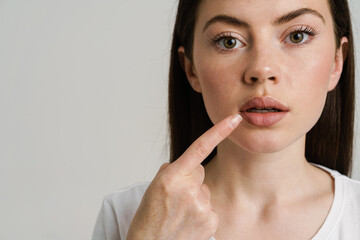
x,y
302,75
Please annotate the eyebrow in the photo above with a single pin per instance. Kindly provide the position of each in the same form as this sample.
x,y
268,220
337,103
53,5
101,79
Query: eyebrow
x,y
280,20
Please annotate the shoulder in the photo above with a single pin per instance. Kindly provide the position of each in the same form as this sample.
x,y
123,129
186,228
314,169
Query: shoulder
x,y
345,186
349,208
347,194
351,191
350,184
128,196
123,203
343,221
117,211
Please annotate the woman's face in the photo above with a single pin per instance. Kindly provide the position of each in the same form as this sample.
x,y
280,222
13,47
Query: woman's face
x,y
283,49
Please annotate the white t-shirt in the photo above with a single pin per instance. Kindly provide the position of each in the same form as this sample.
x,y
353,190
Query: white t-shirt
x,y
342,222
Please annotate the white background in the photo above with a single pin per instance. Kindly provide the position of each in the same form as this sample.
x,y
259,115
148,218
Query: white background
x,y
83,95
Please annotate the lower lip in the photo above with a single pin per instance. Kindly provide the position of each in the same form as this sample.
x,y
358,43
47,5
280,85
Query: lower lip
x,y
263,119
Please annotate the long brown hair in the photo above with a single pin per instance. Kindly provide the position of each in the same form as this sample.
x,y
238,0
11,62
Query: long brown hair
x,y
328,143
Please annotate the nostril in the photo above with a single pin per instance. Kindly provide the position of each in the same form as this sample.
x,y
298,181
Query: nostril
x,y
271,78
253,79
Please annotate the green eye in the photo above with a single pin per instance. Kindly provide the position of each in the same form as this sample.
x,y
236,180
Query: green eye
x,y
296,37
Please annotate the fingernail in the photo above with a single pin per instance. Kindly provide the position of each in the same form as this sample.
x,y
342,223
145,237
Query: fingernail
x,y
234,121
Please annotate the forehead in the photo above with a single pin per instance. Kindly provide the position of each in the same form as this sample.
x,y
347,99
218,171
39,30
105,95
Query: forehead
x,y
259,11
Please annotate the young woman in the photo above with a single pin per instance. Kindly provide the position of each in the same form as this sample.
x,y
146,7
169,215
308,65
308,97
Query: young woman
x,y
276,79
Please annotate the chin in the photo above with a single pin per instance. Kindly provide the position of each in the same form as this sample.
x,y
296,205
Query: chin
x,y
264,147
264,144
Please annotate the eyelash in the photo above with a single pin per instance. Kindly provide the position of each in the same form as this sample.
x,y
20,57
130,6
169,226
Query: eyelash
x,y
312,32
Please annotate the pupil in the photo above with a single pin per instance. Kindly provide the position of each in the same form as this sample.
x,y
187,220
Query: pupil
x,y
230,42
297,37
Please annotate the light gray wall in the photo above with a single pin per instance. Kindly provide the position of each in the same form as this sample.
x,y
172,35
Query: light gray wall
x,y
83,93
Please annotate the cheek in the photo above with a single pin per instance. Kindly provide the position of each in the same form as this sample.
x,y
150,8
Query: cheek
x,y
220,81
216,72
310,89
314,77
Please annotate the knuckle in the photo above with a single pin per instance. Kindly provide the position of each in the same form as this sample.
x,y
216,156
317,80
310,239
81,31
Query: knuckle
x,y
165,181
201,150
199,171
191,194
213,222
205,209
205,190
221,134
163,167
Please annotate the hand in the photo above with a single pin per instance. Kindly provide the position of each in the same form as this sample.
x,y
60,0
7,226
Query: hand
x,y
177,204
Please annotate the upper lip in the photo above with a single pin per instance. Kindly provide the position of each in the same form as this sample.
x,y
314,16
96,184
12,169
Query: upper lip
x,y
263,102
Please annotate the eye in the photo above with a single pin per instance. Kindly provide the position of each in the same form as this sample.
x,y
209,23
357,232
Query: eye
x,y
298,37
229,43
301,35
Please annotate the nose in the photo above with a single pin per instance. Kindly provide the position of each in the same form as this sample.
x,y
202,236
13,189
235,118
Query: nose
x,y
263,66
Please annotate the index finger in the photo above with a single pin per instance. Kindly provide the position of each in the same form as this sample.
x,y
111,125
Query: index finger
x,y
203,146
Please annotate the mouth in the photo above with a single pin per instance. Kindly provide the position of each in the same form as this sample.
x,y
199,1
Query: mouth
x,y
263,105
263,111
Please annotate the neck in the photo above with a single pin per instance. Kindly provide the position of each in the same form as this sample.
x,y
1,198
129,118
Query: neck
x,y
259,178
